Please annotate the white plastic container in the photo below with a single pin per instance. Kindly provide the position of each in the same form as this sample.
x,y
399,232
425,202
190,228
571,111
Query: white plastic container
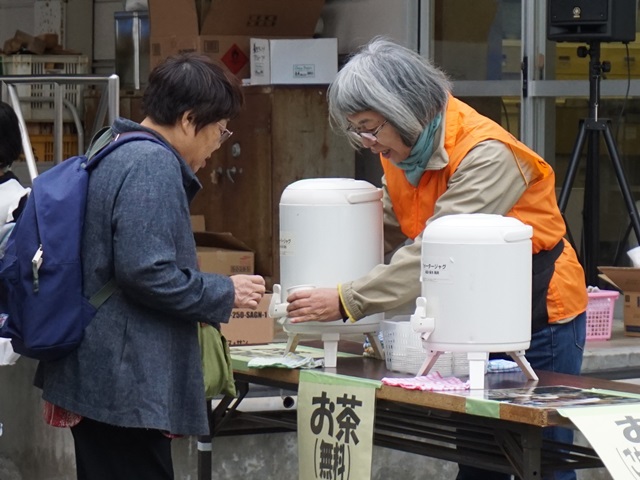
x,y
330,232
404,352
476,278
476,290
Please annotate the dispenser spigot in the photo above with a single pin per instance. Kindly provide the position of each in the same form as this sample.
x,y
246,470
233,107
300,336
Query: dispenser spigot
x,y
420,323
277,308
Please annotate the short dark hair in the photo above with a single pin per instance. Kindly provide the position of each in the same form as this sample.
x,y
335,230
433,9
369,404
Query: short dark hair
x,y
191,81
10,140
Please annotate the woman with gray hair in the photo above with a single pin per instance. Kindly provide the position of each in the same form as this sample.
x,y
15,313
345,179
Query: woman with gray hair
x,y
441,157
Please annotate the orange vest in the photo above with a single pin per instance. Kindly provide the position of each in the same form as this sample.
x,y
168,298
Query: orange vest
x,y
464,128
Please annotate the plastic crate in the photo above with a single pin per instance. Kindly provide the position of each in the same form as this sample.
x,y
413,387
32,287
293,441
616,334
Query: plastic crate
x,y
29,65
42,146
600,314
403,352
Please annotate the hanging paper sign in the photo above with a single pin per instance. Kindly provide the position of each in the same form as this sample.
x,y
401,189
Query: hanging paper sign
x,y
335,426
614,433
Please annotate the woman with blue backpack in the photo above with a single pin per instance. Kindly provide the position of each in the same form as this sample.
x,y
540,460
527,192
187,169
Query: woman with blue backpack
x,y
135,380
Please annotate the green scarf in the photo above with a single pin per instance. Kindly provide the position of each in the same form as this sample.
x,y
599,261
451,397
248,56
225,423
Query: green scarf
x,y
416,163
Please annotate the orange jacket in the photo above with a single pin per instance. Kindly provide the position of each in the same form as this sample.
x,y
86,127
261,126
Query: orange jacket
x,y
464,128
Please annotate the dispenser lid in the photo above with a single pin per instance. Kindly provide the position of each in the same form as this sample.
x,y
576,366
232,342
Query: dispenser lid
x,y
323,191
476,228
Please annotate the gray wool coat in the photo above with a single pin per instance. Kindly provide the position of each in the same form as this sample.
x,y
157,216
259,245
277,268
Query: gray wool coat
x,y
139,362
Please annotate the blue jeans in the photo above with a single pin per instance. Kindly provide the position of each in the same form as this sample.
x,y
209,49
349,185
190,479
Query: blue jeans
x,y
555,348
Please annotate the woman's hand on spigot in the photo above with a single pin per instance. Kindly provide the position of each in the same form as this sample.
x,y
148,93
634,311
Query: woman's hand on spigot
x,y
314,305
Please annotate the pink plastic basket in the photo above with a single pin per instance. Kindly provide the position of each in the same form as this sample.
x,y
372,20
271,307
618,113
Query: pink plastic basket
x,y
600,314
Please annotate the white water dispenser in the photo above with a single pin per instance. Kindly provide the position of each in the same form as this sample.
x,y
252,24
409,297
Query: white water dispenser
x,y
330,233
476,290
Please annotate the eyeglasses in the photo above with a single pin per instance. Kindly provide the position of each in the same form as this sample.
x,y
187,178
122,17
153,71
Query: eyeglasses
x,y
370,136
226,133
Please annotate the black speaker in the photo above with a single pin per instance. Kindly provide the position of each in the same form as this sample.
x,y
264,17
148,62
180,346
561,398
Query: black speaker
x,y
591,20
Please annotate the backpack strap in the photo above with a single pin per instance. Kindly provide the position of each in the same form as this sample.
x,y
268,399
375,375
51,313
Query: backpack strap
x,y
99,143
105,142
102,295
100,140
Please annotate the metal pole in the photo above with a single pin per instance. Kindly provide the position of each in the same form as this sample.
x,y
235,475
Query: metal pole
x,y
58,124
26,143
591,221
113,85
112,90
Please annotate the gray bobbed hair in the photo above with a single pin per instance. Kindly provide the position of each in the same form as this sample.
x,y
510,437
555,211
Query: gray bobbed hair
x,y
384,77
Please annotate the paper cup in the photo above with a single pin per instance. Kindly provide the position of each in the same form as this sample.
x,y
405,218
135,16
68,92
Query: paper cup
x,y
290,290
297,288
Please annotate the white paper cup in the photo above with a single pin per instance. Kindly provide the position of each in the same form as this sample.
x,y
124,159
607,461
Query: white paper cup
x,y
290,290
297,288
634,255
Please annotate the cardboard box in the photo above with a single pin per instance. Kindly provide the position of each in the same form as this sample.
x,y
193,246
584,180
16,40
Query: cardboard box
x,y
231,50
221,29
223,253
286,62
626,279
197,223
248,327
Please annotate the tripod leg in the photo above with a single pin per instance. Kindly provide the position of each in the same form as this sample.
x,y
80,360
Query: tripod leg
x,y
622,182
563,199
591,211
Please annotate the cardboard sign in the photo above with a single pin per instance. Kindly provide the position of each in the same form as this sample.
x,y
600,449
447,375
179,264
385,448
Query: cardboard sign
x,y
614,433
335,426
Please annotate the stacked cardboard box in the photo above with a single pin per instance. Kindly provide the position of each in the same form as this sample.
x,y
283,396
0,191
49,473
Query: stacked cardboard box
x,y
221,29
626,279
224,254
220,252
248,327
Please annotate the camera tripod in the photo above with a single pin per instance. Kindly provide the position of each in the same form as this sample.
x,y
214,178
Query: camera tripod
x,y
591,128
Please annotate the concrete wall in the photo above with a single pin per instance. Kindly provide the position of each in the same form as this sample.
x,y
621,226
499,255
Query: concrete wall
x,y
28,447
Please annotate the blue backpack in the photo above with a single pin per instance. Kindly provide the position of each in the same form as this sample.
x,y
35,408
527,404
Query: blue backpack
x,y
43,309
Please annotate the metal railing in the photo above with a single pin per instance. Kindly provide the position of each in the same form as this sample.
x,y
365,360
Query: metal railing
x,y
108,107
